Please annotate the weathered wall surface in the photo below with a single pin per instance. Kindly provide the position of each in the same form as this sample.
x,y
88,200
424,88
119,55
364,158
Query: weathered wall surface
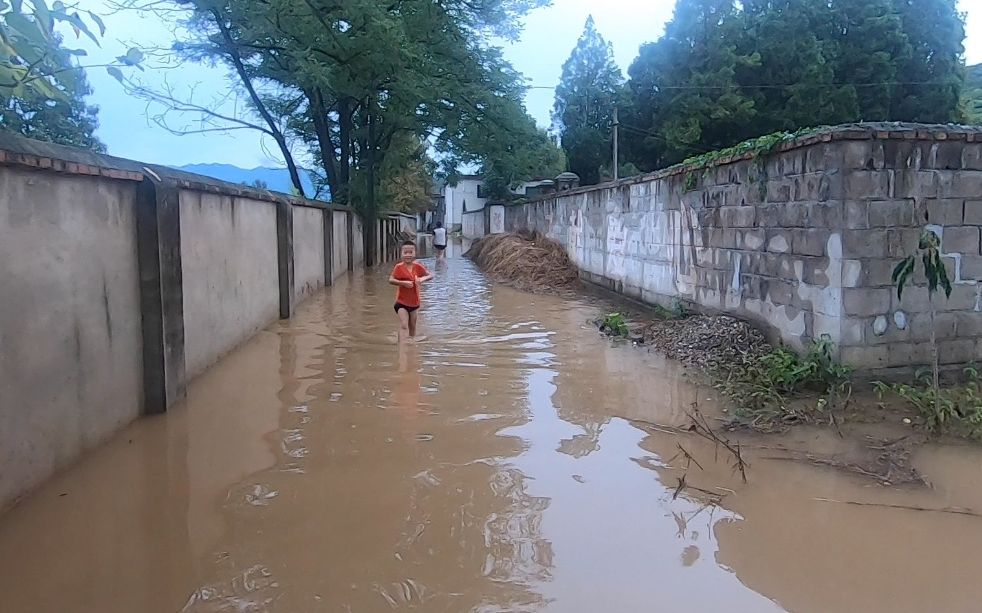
x,y
474,224
340,245
802,243
120,281
228,249
357,242
308,251
70,341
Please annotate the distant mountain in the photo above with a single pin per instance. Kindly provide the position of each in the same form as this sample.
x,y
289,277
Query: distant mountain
x,y
972,94
275,179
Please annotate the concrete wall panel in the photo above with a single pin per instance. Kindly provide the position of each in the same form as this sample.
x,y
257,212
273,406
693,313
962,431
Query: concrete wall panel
x,y
228,251
340,222
358,236
308,251
70,334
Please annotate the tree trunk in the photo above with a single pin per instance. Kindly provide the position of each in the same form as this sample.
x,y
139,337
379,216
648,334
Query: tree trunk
x,y
325,142
371,212
233,53
344,142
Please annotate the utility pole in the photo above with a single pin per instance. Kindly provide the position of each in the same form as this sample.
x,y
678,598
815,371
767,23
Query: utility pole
x,y
615,124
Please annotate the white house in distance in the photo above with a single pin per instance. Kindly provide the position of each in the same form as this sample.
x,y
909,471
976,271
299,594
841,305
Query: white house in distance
x,y
466,196
469,195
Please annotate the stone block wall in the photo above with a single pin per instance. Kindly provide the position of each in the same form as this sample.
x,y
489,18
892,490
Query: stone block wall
x,y
801,241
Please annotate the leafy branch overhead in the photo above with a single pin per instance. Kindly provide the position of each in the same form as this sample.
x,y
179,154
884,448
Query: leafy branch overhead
x,y
32,58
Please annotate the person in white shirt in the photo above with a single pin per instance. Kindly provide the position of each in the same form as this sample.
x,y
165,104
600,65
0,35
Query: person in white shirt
x,y
440,239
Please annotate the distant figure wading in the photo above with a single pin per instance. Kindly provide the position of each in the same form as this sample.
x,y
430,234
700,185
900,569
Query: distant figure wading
x,y
440,239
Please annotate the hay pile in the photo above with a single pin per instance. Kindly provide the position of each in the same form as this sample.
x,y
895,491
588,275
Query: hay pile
x,y
713,342
529,262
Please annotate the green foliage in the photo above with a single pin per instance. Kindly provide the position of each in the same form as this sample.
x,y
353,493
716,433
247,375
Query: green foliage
x,y
362,82
585,99
764,390
66,119
972,95
948,409
32,60
758,148
725,71
677,311
929,247
614,324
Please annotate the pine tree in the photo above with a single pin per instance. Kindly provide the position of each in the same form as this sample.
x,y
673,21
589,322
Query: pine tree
x,y
934,71
585,101
687,97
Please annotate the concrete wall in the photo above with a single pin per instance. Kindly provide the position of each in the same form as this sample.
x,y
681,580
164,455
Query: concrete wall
x,y
357,242
407,223
340,244
461,198
120,281
308,250
802,243
70,338
228,249
474,224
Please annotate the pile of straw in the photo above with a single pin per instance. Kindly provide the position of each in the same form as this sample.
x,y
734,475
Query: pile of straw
x,y
529,262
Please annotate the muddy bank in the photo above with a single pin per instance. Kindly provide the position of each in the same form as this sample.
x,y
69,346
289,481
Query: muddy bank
x,y
764,389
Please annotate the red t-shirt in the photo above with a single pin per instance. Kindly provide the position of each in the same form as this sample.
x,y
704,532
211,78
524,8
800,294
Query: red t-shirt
x,y
408,272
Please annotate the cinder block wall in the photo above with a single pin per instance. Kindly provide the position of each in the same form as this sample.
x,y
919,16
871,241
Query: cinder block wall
x,y
801,241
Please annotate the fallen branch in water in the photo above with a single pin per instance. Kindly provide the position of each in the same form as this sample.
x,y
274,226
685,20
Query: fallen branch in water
x,y
701,427
904,507
689,460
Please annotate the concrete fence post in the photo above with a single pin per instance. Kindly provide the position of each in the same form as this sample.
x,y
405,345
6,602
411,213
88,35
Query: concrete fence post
x,y
158,230
284,256
328,247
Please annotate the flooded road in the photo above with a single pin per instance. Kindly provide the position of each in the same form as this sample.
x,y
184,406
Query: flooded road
x,y
504,463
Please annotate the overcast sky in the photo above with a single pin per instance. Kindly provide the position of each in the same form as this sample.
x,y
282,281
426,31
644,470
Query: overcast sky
x,y
548,38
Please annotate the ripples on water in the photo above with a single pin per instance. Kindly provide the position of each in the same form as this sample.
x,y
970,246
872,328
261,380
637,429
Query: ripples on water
x,y
503,463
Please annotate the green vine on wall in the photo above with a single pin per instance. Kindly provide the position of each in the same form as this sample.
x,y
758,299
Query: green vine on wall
x,y
758,149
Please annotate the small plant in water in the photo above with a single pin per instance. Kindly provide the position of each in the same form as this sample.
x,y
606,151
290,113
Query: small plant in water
x,y
614,324
942,409
763,389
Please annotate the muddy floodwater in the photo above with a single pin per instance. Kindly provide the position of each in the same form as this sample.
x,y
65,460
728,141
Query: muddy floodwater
x,y
507,462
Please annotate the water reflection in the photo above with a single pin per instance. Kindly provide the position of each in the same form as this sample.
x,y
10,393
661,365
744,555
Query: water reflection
x,y
510,461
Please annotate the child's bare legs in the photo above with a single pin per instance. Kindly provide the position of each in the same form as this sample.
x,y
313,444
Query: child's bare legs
x,y
404,324
412,324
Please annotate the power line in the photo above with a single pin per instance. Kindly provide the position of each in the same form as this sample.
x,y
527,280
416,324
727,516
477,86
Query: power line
x,y
766,86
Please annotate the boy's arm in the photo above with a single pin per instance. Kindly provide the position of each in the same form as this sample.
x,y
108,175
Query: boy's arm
x,y
423,274
399,282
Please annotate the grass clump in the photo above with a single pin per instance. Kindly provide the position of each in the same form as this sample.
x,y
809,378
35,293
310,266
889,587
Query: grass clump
x,y
953,409
769,392
614,324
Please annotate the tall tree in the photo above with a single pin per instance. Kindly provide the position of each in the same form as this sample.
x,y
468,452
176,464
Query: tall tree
x,y
933,71
352,79
585,100
725,71
972,95
688,99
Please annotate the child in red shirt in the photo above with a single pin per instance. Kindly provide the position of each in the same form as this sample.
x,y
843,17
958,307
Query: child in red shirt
x,y
407,276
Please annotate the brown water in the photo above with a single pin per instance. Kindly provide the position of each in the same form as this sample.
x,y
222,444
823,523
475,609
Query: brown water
x,y
495,466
